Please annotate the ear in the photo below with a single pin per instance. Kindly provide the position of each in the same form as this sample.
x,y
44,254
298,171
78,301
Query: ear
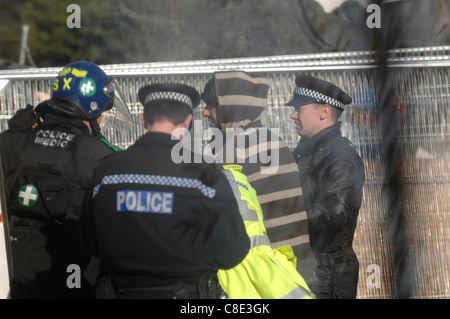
x,y
144,122
325,112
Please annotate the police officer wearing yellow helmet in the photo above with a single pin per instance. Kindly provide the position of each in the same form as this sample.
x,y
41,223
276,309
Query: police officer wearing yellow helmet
x,y
48,155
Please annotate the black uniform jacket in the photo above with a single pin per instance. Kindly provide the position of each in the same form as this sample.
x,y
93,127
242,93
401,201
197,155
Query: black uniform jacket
x,y
332,175
159,220
47,171
59,160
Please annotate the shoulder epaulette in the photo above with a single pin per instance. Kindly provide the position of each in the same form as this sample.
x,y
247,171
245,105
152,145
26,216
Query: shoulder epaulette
x,y
112,146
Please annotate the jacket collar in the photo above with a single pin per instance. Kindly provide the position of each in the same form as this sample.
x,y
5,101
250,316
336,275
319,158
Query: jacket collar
x,y
54,119
156,137
308,145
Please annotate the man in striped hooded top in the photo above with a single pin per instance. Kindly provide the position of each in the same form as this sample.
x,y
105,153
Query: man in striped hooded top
x,y
234,102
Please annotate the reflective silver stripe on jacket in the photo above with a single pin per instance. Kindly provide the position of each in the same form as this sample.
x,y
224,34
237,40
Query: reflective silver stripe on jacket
x,y
297,293
260,240
246,213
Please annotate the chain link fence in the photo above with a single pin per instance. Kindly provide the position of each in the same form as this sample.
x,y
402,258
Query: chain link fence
x,y
422,99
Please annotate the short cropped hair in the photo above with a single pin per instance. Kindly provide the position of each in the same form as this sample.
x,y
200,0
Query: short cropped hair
x,y
335,112
172,111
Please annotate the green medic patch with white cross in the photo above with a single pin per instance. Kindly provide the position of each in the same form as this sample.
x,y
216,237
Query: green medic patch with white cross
x,y
28,195
88,87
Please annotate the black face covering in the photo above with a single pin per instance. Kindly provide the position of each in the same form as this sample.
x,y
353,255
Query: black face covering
x,y
209,95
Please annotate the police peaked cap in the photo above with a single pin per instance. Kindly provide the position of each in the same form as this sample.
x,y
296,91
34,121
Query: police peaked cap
x,y
313,90
182,93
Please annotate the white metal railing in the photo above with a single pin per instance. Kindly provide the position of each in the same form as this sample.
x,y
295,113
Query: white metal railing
x,y
422,85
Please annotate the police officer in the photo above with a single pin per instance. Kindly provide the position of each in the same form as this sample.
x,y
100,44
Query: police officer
x,y
47,167
161,224
332,177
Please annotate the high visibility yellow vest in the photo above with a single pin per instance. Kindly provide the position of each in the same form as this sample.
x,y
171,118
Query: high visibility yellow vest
x,y
265,273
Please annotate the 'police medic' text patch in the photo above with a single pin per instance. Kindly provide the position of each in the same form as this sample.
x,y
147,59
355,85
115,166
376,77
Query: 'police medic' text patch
x,y
144,201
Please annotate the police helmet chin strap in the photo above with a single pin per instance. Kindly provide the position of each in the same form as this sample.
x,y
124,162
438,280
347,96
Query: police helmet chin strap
x,y
95,128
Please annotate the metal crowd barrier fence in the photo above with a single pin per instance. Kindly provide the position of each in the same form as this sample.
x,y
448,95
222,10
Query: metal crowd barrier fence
x,y
422,88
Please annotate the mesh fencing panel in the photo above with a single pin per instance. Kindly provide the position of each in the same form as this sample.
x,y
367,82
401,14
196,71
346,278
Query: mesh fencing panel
x,y
422,95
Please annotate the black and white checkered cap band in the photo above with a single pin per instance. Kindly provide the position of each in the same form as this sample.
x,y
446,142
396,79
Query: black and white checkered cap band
x,y
318,96
167,95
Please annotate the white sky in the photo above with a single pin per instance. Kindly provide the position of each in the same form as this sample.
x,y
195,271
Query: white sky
x,y
329,5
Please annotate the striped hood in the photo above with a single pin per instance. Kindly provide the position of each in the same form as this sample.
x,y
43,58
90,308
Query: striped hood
x,y
265,158
241,97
